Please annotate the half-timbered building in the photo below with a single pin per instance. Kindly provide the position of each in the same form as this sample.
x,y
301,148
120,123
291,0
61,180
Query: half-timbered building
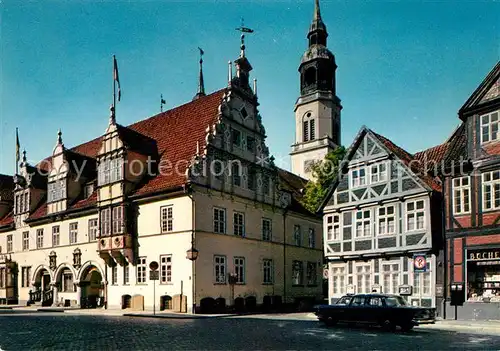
x,y
472,201
381,211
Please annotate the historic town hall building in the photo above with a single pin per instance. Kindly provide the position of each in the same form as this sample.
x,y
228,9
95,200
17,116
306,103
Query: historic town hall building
x,y
202,199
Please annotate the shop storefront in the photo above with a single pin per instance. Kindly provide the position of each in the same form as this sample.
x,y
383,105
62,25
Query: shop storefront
x,y
483,275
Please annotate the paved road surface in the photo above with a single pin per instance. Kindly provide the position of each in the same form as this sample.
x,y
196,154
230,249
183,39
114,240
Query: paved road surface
x,y
58,331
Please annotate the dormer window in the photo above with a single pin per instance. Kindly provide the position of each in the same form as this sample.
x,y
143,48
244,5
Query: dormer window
x,y
88,190
110,170
21,203
112,221
489,127
56,191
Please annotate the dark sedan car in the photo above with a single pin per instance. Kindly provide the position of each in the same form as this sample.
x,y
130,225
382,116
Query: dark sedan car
x,y
388,311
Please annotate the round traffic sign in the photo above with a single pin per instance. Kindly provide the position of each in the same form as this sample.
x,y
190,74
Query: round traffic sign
x,y
154,265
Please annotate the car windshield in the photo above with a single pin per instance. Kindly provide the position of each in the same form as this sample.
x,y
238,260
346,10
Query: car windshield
x,y
346,300
394,301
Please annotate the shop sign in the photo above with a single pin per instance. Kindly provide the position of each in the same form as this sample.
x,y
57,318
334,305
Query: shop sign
x,y
484,255
419,263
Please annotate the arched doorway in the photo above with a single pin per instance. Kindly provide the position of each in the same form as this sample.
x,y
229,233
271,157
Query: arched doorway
x,y
92,288
42,280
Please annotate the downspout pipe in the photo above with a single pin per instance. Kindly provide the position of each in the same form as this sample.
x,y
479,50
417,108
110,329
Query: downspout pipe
x,y
445,246
189,191
285,212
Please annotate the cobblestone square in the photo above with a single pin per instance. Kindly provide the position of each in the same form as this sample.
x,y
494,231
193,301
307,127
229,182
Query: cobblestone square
x,y
60,331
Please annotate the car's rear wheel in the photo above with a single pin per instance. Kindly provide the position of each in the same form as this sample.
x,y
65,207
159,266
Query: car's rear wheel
x,y
388,325
407,327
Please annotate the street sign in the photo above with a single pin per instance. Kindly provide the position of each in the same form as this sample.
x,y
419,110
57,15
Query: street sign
x,y
419,263
154,265
154,275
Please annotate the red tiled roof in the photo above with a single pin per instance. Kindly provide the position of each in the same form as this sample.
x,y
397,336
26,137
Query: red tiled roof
x,y
418,168
176,133
6,188
433,154
7,219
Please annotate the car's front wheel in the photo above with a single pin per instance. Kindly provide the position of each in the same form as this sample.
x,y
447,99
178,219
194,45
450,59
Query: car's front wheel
x,y
329,322
388,325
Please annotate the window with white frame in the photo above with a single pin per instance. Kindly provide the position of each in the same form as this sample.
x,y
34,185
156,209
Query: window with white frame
x,y
26,241
422,280
167,219
56,190
386,220
363,278
378,172
141,270
220,269
390,277
363,224
239,224
268,271
39,238
333,227
297,273
266,229
236,173
358,177
114,275
88,190
239,269
117,220
491,190
312,238
312,273
10,246
110,170
166,269
55,235
126,274
415,215
93,228
297,235
489,127
461,195
73,233
220,220
338,280
67,281
25,277
106,222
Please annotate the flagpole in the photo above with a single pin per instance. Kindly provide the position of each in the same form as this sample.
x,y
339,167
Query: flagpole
x,y
17,151
114,84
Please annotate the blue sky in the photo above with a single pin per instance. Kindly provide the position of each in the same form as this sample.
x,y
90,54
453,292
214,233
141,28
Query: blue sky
x,y
405,67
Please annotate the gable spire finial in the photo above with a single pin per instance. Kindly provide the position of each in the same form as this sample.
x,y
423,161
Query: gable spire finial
x,y
24,156
317,11
112,117
59,137
201,82
243,30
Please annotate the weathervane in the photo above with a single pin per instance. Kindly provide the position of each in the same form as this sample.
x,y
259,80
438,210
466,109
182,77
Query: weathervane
x,y
243,30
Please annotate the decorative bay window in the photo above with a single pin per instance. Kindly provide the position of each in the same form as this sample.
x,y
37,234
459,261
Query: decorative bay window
x,y
363,224
21,203
56,190
112,221
461,195
489,127
110,170
386,220
415,215
491,190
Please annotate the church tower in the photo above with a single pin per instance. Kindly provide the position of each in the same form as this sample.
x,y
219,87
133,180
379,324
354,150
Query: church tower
x,y
317,110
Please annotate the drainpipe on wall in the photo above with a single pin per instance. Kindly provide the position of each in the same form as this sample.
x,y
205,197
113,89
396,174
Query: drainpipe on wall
x,y
284,255
445,249
188,191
